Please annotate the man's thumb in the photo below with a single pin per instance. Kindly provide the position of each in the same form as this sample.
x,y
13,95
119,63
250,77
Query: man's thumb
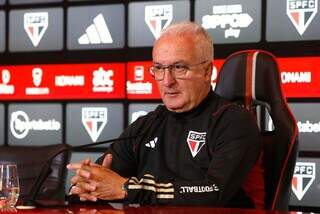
x,y
107,161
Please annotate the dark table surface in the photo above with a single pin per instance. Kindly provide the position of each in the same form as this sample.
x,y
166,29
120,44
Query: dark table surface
x,y
117,208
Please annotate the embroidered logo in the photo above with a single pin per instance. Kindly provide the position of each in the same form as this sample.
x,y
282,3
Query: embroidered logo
x,y
195,141
152,143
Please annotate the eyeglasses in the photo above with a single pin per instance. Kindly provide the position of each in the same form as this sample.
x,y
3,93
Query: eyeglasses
x,y
178,70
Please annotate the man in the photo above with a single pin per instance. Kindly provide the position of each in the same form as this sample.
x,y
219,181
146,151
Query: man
x,y
197,149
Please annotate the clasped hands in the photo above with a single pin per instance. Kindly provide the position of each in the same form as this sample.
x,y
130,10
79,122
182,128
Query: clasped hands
x,y
93,181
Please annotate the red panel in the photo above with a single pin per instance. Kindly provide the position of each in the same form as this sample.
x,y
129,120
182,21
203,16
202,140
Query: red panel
x,y
300,76
68,81
140,83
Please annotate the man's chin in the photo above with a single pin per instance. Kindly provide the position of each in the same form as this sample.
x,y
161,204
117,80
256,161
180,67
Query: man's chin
x,y
171,106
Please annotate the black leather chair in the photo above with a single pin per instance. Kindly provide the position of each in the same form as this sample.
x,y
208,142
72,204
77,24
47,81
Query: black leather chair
x,y
31,162
251,78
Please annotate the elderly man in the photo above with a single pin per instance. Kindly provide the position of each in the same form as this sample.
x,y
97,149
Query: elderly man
x,y
197,149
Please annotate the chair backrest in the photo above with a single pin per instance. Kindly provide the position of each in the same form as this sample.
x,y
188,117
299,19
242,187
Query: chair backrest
x,y
251,78
30,161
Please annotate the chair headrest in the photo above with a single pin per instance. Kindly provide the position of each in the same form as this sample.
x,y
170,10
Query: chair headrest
x,y
250,76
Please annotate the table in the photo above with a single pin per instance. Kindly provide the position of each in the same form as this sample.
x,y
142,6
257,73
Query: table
x,y
135,209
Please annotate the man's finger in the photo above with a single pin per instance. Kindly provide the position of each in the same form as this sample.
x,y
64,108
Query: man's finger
x,y
76,190
87,187
75,179
87,197
107,161
86,161
74,165
83,173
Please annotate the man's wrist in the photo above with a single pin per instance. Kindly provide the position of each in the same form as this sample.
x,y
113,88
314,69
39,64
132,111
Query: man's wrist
x,y
125,188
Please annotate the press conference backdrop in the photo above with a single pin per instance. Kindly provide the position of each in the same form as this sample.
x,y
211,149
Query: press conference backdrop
x,y
76,71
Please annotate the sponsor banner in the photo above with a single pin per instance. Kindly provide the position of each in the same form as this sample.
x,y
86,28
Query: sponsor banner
x,y
300,76
96,27
67,81
34,124
140,84
308,121
2,31
147,19
137,110
2,119
293,20
36,30
305,183
233,21
94,122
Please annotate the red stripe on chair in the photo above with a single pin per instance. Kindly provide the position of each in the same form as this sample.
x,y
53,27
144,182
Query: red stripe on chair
x,y
248,90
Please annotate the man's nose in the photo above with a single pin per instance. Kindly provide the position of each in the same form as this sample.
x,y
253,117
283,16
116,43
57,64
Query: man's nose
x,y
168,78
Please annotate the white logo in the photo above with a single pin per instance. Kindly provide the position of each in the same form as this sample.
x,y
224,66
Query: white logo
x,y
228,17
158,17
102,80
138,73
308,127
296,77
139,87
301,13
303,177
94,120
137,114
37,74
20,124
214,77
69,80
96,33
35,25
152,143
5,88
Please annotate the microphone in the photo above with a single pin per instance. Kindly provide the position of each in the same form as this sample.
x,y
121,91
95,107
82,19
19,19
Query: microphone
x,y
46,169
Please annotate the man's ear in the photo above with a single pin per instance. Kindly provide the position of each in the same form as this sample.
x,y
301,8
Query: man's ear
x,y
209,71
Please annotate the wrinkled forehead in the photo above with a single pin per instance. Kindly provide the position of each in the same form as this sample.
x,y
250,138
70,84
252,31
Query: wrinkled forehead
x,y
175,48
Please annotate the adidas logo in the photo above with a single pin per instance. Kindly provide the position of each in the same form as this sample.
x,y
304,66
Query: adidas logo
x,y
96,33
152,143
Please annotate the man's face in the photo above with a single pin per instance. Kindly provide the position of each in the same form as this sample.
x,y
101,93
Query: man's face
x,y
180,95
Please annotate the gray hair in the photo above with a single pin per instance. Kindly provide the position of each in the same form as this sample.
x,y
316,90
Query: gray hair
x,y
202,39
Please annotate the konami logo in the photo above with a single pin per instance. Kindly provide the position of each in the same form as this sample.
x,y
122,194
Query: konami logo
x,y
69,80
308,127
296,77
